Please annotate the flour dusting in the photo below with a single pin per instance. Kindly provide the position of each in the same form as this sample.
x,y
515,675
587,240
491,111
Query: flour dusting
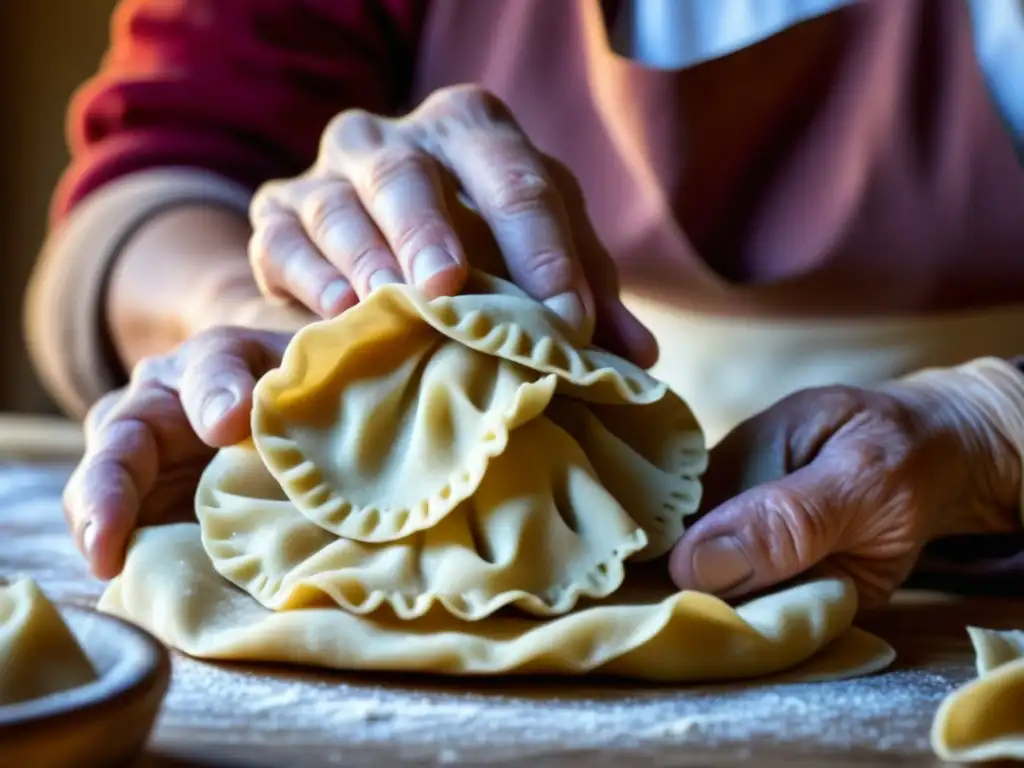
x,y
367,720
480,722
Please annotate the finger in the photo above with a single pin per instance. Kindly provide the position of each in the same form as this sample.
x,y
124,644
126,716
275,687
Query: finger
x,y
99,412
120,466
763,537
336,222
475,136
400,187
218,374
287,264
618,330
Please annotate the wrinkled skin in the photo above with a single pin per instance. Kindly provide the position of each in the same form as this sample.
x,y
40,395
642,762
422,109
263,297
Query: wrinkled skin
x,y
850,482
418,198
147,444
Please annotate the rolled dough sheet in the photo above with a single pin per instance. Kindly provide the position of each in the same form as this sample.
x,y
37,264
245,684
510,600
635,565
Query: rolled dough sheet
x,y
170,587
38,653
984,720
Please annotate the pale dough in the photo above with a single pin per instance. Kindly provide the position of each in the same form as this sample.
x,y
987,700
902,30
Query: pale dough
x,y
38,653
984,720
463,486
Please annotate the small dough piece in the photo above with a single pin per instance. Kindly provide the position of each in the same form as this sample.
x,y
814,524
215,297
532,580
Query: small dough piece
x,y
382,421
984,720
539,533
38,653
170,586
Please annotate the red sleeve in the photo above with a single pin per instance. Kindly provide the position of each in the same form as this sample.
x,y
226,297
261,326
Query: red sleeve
x,y
242,88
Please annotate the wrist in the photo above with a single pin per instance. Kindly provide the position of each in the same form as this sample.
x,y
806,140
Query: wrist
x,y
228,296
975,414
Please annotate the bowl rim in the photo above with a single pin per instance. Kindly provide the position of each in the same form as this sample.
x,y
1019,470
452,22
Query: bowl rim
x,y
142,660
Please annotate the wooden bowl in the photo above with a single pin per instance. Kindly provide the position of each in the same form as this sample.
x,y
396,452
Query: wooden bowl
x,y
104,723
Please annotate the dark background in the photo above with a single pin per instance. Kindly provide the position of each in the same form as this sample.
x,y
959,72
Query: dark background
x,y
47,47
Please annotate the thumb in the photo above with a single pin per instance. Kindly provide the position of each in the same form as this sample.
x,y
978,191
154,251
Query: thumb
x,y
761,538
216,386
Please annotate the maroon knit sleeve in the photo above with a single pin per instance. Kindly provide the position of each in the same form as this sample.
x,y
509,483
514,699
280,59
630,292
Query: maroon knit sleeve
x,y
242,88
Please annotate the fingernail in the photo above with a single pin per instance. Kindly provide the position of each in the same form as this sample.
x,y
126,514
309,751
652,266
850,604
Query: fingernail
x,y
431,261
89,533
216,407
383,277
569,307
333,294
719,565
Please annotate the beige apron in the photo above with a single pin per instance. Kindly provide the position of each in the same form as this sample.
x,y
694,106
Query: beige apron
x,y
731,368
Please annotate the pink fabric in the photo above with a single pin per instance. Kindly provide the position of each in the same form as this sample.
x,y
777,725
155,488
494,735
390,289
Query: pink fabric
x,y
239,87
850,165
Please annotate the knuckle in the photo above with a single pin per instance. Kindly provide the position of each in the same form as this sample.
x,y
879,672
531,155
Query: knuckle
x,y
272,245
99,411
363,262
149,369
326,207
390,167
429,230
259,253
796,524
518,193
471,101
550,267
266,201
884,453
354,130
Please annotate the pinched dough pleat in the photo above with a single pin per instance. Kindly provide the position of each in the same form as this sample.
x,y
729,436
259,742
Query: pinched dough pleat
x,y
649,458
376,430
984,720
380,422
539,533
170,587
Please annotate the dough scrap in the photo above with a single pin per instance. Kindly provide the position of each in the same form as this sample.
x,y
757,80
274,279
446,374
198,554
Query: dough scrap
x,y
984,720
38,653
170,586
462,486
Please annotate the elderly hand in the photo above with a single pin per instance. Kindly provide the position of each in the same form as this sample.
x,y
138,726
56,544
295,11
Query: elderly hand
x,y
381,205
147,444
852,482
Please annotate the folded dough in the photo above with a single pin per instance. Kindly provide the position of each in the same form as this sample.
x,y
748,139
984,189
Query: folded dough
x,y
984,720
38,653
170,586
379,423
461,486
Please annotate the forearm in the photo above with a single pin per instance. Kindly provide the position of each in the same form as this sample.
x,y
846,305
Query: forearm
x,y
135,269
185,271
174,278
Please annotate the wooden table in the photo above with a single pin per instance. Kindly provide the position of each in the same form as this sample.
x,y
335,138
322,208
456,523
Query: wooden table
x,y
218,715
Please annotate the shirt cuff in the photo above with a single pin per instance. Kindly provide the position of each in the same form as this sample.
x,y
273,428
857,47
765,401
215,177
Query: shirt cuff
x,y
65,316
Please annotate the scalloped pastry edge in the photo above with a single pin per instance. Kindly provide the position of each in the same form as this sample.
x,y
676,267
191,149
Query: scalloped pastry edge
x,y
296,474
600,581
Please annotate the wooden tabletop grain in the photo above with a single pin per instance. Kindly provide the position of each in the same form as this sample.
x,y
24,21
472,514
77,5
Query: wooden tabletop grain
x,y
218,715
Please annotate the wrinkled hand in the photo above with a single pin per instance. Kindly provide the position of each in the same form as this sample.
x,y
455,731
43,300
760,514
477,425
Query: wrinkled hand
x,y
847,482
147,444
381,205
